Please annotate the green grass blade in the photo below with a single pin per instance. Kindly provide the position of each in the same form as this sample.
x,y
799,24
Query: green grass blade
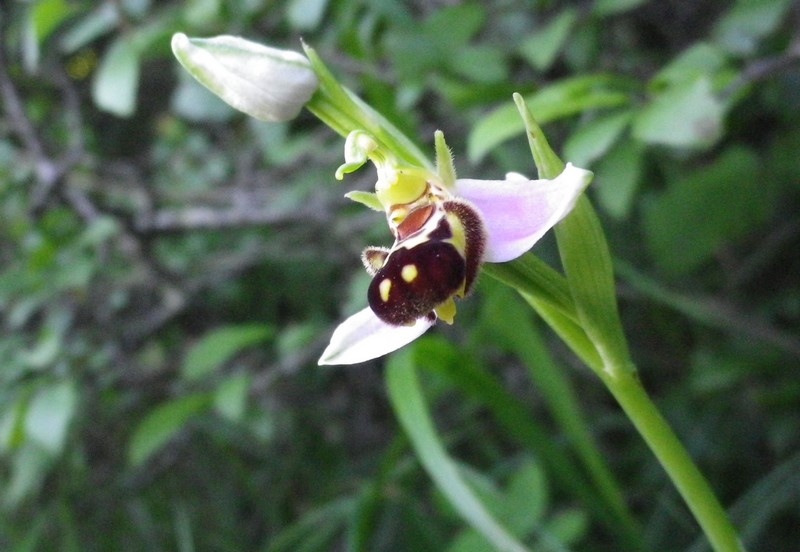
x,y
409,405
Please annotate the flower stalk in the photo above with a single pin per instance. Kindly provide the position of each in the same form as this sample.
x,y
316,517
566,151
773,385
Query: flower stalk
x,y
590,278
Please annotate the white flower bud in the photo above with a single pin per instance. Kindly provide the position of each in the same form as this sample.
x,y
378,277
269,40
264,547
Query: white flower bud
x,y
266,83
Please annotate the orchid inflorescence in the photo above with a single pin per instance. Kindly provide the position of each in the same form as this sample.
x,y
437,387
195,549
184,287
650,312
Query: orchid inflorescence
x,y
444,228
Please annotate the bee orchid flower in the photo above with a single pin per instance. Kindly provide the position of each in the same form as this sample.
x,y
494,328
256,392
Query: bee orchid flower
x,y
444,229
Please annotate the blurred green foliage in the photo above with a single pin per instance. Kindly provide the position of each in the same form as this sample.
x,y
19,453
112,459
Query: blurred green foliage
x,y
170,271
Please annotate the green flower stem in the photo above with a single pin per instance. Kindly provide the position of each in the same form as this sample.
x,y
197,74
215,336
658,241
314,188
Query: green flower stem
x,y
590,278
517,330
658,435
344,112
624,385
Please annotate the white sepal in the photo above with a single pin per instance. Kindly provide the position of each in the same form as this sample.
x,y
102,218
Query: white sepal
x,y
363,337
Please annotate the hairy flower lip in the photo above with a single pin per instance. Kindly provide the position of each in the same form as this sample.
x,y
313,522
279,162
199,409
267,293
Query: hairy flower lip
x,y
267,83
516,213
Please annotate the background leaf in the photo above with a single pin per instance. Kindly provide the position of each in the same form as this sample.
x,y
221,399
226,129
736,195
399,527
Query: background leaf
x,y
685,115
696,216
117,79
161,424
219,346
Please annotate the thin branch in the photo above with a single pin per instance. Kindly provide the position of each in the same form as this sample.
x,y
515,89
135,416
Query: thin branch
x,y
237,216
14,109
709,311
764,68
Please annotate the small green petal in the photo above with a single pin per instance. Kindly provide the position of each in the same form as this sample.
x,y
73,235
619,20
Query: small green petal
x,y
444,160
365,198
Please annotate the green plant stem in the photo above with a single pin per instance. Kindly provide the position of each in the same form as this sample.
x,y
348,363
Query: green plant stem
x,y
693,487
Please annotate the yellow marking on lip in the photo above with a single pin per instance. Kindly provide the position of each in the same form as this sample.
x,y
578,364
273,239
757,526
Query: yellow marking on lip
x,y
409,273
447,311
385,287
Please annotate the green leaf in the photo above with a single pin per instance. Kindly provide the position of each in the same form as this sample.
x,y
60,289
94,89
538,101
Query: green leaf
x,y
685,225
117,78
685,115
409,405
49,414
569,526
345,112
509,324
526,498
219,346
700,60
230,398
531,275
559,100
314,523
617,177
29,466
595,138
543,45
12,423
741,29
481,64
47,15
587,263
161,424
437,40
604,8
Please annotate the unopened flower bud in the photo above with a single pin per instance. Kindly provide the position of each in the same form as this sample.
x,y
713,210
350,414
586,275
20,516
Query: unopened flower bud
x,y
266,83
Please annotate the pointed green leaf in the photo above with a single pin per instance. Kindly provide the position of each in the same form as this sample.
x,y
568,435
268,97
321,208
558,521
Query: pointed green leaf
x,y
587,263
556,101
686,224
544,44
592,140
700,60
685,115
740,30
219,346
161,424
617,177
230,398
585,258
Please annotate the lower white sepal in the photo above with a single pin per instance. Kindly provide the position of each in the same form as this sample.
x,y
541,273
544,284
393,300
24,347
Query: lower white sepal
x,y
363,337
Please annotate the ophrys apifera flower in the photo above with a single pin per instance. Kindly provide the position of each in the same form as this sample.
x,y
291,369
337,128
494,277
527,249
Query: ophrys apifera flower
x,y
444,229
